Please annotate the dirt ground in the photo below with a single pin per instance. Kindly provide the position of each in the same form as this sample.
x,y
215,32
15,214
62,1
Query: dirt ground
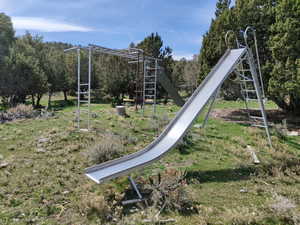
x,y
274,117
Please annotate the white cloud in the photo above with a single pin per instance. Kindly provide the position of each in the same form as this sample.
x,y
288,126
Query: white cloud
x,y
46,25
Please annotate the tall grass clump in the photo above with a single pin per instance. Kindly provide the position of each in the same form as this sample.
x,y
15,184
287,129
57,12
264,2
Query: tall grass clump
x,y
108,147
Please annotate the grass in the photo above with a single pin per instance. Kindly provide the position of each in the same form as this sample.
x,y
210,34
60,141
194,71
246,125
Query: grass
x,y
44,183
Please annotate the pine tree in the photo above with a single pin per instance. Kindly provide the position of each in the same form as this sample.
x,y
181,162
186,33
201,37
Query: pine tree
x,y
222,5
284,84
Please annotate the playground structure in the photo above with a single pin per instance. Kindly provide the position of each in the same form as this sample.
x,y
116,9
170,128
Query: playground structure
x,y
238,61
148,73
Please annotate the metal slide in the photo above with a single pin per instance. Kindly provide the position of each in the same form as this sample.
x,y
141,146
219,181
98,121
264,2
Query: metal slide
x,y
176,128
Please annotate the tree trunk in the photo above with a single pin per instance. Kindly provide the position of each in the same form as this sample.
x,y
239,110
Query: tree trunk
x,y
33,100
65,96
39,97
49,100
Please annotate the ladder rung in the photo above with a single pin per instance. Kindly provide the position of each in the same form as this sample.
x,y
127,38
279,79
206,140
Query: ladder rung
x,y
150,82
249,80
83,92
150,89
251,99
84,110
151,68
258,125
84,101
256,117
151,96
149,76
84,84
246,90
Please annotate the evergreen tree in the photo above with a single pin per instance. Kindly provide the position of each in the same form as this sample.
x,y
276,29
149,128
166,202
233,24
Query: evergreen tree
x,y
284,83
6,40
222,5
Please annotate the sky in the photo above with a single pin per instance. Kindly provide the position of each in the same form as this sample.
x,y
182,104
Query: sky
x,y
114,23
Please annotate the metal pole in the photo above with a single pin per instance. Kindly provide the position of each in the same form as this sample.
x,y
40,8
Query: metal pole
x,y
210,107
78,88
89,87
259,69
257,55
155,80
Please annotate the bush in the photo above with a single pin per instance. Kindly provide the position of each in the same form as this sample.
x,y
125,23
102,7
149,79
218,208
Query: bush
x,y
108,148
168,192
19,112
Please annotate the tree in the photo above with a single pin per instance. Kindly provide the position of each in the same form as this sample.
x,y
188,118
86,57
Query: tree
x,y
25,75
178,72
221,6
153,46
190,74
284,83
256,13
6,40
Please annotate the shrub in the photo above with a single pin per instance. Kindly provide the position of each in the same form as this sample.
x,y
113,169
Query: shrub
x,y
168,192
19,112
105,149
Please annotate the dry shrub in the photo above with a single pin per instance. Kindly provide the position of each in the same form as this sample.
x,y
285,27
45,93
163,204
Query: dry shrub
x,y
93,205
109,147
168,192
19,112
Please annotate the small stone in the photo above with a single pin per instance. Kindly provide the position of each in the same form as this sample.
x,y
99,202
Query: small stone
x,y
41,150
292,133
198,125
243,190
3,165
43,140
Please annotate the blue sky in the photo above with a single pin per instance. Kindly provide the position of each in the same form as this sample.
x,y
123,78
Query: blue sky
x,y
114,23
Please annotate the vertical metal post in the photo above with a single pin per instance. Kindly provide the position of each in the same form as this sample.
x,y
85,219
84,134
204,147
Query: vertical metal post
x,y
137,82
210,107
259,95
258,64
78,88
155,80
144,85
89,86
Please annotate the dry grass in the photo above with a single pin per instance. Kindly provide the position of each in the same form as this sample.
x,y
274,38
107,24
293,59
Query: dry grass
x,y
108,147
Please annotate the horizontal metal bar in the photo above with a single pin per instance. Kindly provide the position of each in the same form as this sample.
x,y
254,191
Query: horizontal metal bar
x,y
71,49
246,90
256,117
84,84
83,101
257,125
132,201
251,99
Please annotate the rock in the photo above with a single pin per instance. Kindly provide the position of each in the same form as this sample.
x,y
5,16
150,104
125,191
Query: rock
x,y
292,133
198,125
43,140
4,165
243,190
41,150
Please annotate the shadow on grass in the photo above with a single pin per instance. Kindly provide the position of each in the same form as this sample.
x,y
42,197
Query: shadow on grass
x,y
223,175
62,104
293,144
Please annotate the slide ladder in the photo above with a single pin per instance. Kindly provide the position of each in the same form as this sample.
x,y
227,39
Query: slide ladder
x,y
150,83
